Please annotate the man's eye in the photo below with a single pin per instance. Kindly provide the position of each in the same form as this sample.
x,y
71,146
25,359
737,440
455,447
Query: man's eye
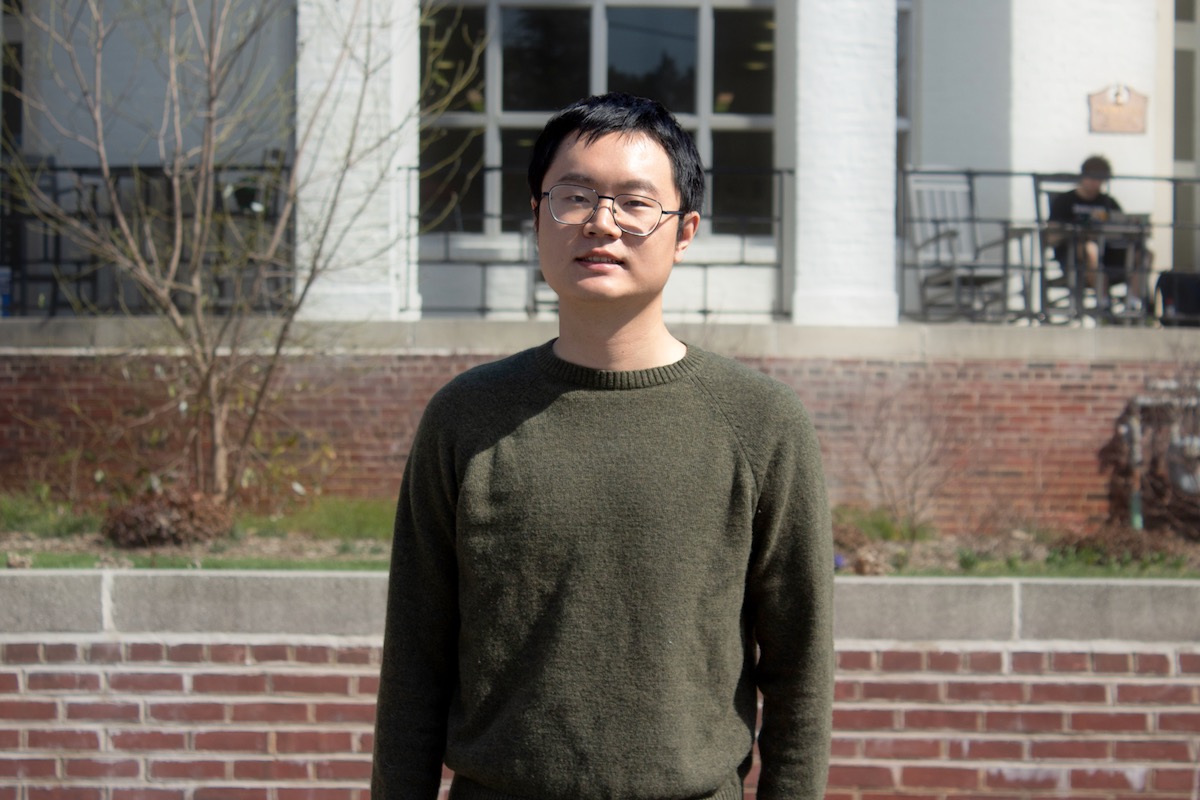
x,y
578,199
634,203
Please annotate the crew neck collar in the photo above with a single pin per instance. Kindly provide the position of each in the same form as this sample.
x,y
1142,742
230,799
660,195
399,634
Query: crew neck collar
x,y
589,378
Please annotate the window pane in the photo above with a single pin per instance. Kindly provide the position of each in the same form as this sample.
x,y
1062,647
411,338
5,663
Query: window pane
x,y
652,53
743,185
744,69
1185,105
1185,10
546,57
452,180
452,56
515,146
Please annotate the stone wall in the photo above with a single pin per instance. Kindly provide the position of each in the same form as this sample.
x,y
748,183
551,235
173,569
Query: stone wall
x,y
117,685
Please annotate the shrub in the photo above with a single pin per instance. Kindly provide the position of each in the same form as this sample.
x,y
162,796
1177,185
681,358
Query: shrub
x,y
166,518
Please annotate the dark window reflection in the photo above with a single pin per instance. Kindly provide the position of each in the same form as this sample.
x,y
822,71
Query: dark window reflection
x,y
652,53
743,184
515,146
452,42
744,68
547,53
452,180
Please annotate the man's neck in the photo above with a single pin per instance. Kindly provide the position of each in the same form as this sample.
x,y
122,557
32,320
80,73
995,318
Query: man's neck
x,y
616,342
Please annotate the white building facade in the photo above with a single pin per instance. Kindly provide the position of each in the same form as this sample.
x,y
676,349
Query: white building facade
x,y
805,112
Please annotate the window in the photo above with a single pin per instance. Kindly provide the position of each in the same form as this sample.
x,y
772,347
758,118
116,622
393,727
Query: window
x,y
541,57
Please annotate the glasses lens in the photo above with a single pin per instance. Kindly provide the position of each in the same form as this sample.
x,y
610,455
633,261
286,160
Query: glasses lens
x,y
637,214
572,205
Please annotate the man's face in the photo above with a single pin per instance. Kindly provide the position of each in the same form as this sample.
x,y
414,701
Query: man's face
x,y
597,261
1090,186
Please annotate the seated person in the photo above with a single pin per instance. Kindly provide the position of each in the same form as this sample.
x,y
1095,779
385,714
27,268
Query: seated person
x,y
1086,206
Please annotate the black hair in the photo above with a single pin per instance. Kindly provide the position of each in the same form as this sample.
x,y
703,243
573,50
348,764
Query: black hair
x,y
1096,167
617,112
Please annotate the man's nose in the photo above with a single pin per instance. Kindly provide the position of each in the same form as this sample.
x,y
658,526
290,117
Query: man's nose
x,y
605,222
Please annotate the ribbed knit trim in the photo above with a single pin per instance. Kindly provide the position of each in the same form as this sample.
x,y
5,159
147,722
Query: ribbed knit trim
x,y
465,789
589,378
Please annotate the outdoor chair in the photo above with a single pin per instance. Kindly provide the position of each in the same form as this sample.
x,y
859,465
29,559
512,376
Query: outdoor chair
x,y
958,273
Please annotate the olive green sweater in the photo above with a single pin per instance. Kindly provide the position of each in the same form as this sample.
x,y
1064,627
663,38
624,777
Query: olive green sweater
x,y
594,573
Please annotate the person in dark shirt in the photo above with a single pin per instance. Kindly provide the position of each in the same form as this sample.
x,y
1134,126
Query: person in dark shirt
x,y
1088,206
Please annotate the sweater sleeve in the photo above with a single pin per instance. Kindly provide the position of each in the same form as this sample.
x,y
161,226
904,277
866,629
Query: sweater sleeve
x,y
419,668
790,597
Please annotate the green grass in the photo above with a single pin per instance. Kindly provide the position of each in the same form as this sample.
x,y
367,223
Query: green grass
x,y
326,518
35,513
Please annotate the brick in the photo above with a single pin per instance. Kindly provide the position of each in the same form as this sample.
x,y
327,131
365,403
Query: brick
x,y
232,741
63,682
312,654
63,740
187,770
186,653
104,653
26,767
1152,664
368,685
1156,694
147,651
1024,721
858,719
944,662
148,740
187,712
270,712
985,662
847,691
226,683
1172,721
143,793
1100,721
901,661
104,711
229,793
855,660
339,770
1109,779
860,777
1070,750
346,712
1174,780
1070,662
270,652
10,740
1026,778
939,778
22,653
61,653
902,748
313,741
1189,663
315,793
927,719
1029,662
906,691
10,682
356,655
145,682
366,743
1176,751
229,654
1113,663
96,768
273,770
975,692
985,750
311,684
62,793
1068,693
842,748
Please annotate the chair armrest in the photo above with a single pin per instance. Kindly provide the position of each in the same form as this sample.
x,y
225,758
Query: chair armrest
x,y
949,233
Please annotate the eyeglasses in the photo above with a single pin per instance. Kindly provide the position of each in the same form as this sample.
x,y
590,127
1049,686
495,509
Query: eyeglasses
x,y
633,213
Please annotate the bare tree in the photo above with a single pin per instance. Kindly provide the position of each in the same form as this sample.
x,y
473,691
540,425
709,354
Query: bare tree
x,y
214,201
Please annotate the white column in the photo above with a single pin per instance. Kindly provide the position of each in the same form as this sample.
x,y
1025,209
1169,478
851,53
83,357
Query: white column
x,y
358,200
842,108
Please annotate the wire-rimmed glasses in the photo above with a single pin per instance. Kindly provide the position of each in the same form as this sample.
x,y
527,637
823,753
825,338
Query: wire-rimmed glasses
x,y
634,214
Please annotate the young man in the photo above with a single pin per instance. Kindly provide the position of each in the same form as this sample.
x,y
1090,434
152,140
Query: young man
x,y
1086,206
608,545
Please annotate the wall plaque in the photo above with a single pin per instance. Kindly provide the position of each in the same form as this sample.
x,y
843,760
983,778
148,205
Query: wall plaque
x,y
1117,109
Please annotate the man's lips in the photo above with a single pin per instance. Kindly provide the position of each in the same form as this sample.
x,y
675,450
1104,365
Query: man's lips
x,y
599,260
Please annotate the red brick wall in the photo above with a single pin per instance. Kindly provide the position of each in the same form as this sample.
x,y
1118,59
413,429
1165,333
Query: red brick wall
x,y
1019,439
198,718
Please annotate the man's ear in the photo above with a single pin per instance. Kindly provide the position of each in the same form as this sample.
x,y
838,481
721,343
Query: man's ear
x,y
688,225
533,203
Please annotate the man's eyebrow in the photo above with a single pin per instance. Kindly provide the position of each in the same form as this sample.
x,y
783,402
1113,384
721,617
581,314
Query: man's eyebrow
x,y
637,185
